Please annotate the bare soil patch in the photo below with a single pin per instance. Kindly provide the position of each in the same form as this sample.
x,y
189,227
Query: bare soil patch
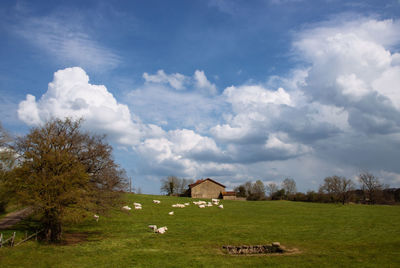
x,y
74,238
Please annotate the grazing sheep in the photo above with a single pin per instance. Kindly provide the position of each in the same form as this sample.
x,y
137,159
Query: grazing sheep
x,y
156,201
171,213
126,208
178,206
138,207
221,206
209,204
137,204
186,204
153,227
162,230
215,201
202,206
96,217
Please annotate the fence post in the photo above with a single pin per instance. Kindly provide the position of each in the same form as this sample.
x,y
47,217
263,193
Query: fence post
x,y
12,239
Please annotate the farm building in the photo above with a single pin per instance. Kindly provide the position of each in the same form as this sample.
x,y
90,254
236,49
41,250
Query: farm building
x,y
229,195
206,188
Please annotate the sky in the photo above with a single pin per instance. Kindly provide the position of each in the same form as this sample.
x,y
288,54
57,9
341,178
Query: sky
x,y
232,90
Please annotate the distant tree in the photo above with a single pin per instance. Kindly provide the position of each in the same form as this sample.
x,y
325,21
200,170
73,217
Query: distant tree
x,y
338,188
371,186
64,173
279,195
240,191
272,188
173,185
257,191
248,186
289,185
170,185
183,185
7,163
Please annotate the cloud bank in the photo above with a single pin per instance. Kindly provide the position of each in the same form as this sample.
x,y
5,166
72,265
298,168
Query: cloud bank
x,y
337,113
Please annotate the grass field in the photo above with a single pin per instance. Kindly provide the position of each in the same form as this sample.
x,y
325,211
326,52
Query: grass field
x,y
326,235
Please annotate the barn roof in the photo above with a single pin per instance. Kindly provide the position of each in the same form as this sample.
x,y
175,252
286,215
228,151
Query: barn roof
x,y
231,193
201,181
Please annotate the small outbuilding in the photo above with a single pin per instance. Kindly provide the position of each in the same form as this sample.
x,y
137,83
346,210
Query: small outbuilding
x,y
206,188
228,195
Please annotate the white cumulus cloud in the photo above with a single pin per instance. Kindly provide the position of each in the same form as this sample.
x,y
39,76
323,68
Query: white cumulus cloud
x,y
71,95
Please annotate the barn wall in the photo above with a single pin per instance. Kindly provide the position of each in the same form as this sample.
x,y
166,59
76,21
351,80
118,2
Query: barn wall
x,y
229,197
207,189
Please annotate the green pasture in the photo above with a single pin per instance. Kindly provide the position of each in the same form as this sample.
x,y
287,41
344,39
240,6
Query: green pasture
x,y
326,235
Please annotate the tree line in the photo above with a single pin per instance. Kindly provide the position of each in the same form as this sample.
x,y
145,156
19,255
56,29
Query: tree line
x,y
334,189
61,172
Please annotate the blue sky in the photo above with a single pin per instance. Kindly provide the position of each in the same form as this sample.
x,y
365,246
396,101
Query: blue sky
x,y
232,90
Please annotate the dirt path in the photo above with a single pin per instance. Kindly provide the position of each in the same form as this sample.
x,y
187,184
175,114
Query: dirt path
x,y
14,217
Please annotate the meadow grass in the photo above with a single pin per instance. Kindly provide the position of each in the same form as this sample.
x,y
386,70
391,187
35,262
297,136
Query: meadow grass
x,y
325,234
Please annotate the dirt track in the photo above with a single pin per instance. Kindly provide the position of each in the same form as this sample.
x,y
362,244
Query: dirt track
x,y
14,217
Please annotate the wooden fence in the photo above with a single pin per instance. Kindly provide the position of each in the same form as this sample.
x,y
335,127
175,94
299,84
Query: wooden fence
x,y
11,240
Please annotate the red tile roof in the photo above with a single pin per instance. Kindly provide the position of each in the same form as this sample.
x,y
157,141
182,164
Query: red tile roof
x,y
228,193
201,181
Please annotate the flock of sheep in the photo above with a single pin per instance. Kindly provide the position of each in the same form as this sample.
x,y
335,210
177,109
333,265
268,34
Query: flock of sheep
x,y
161,230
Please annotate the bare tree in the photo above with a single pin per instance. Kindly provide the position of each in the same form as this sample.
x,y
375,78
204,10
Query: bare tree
x,y
183,185
257,191
170,185
289,185
338,188
173,185
371,186
272,188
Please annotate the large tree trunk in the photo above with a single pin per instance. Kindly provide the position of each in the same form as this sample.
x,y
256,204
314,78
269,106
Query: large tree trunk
x,y
52,227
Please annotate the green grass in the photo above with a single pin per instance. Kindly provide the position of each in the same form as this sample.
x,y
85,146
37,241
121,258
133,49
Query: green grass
x,y
326,234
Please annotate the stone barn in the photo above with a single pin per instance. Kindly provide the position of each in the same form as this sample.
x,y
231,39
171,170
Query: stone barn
x,y
207,188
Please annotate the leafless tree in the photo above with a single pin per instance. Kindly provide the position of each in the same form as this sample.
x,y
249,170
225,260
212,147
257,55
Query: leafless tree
x,y
170,185
272,188
258,190
289,185
371,186
339,188
173,185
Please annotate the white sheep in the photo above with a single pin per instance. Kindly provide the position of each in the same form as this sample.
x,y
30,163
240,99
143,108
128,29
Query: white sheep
x,y
96,217
137,204
221,206
209,204
171,213
153,227
202,206
126,208
186,204
178,206
162,230
156,201
138,207
214,200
